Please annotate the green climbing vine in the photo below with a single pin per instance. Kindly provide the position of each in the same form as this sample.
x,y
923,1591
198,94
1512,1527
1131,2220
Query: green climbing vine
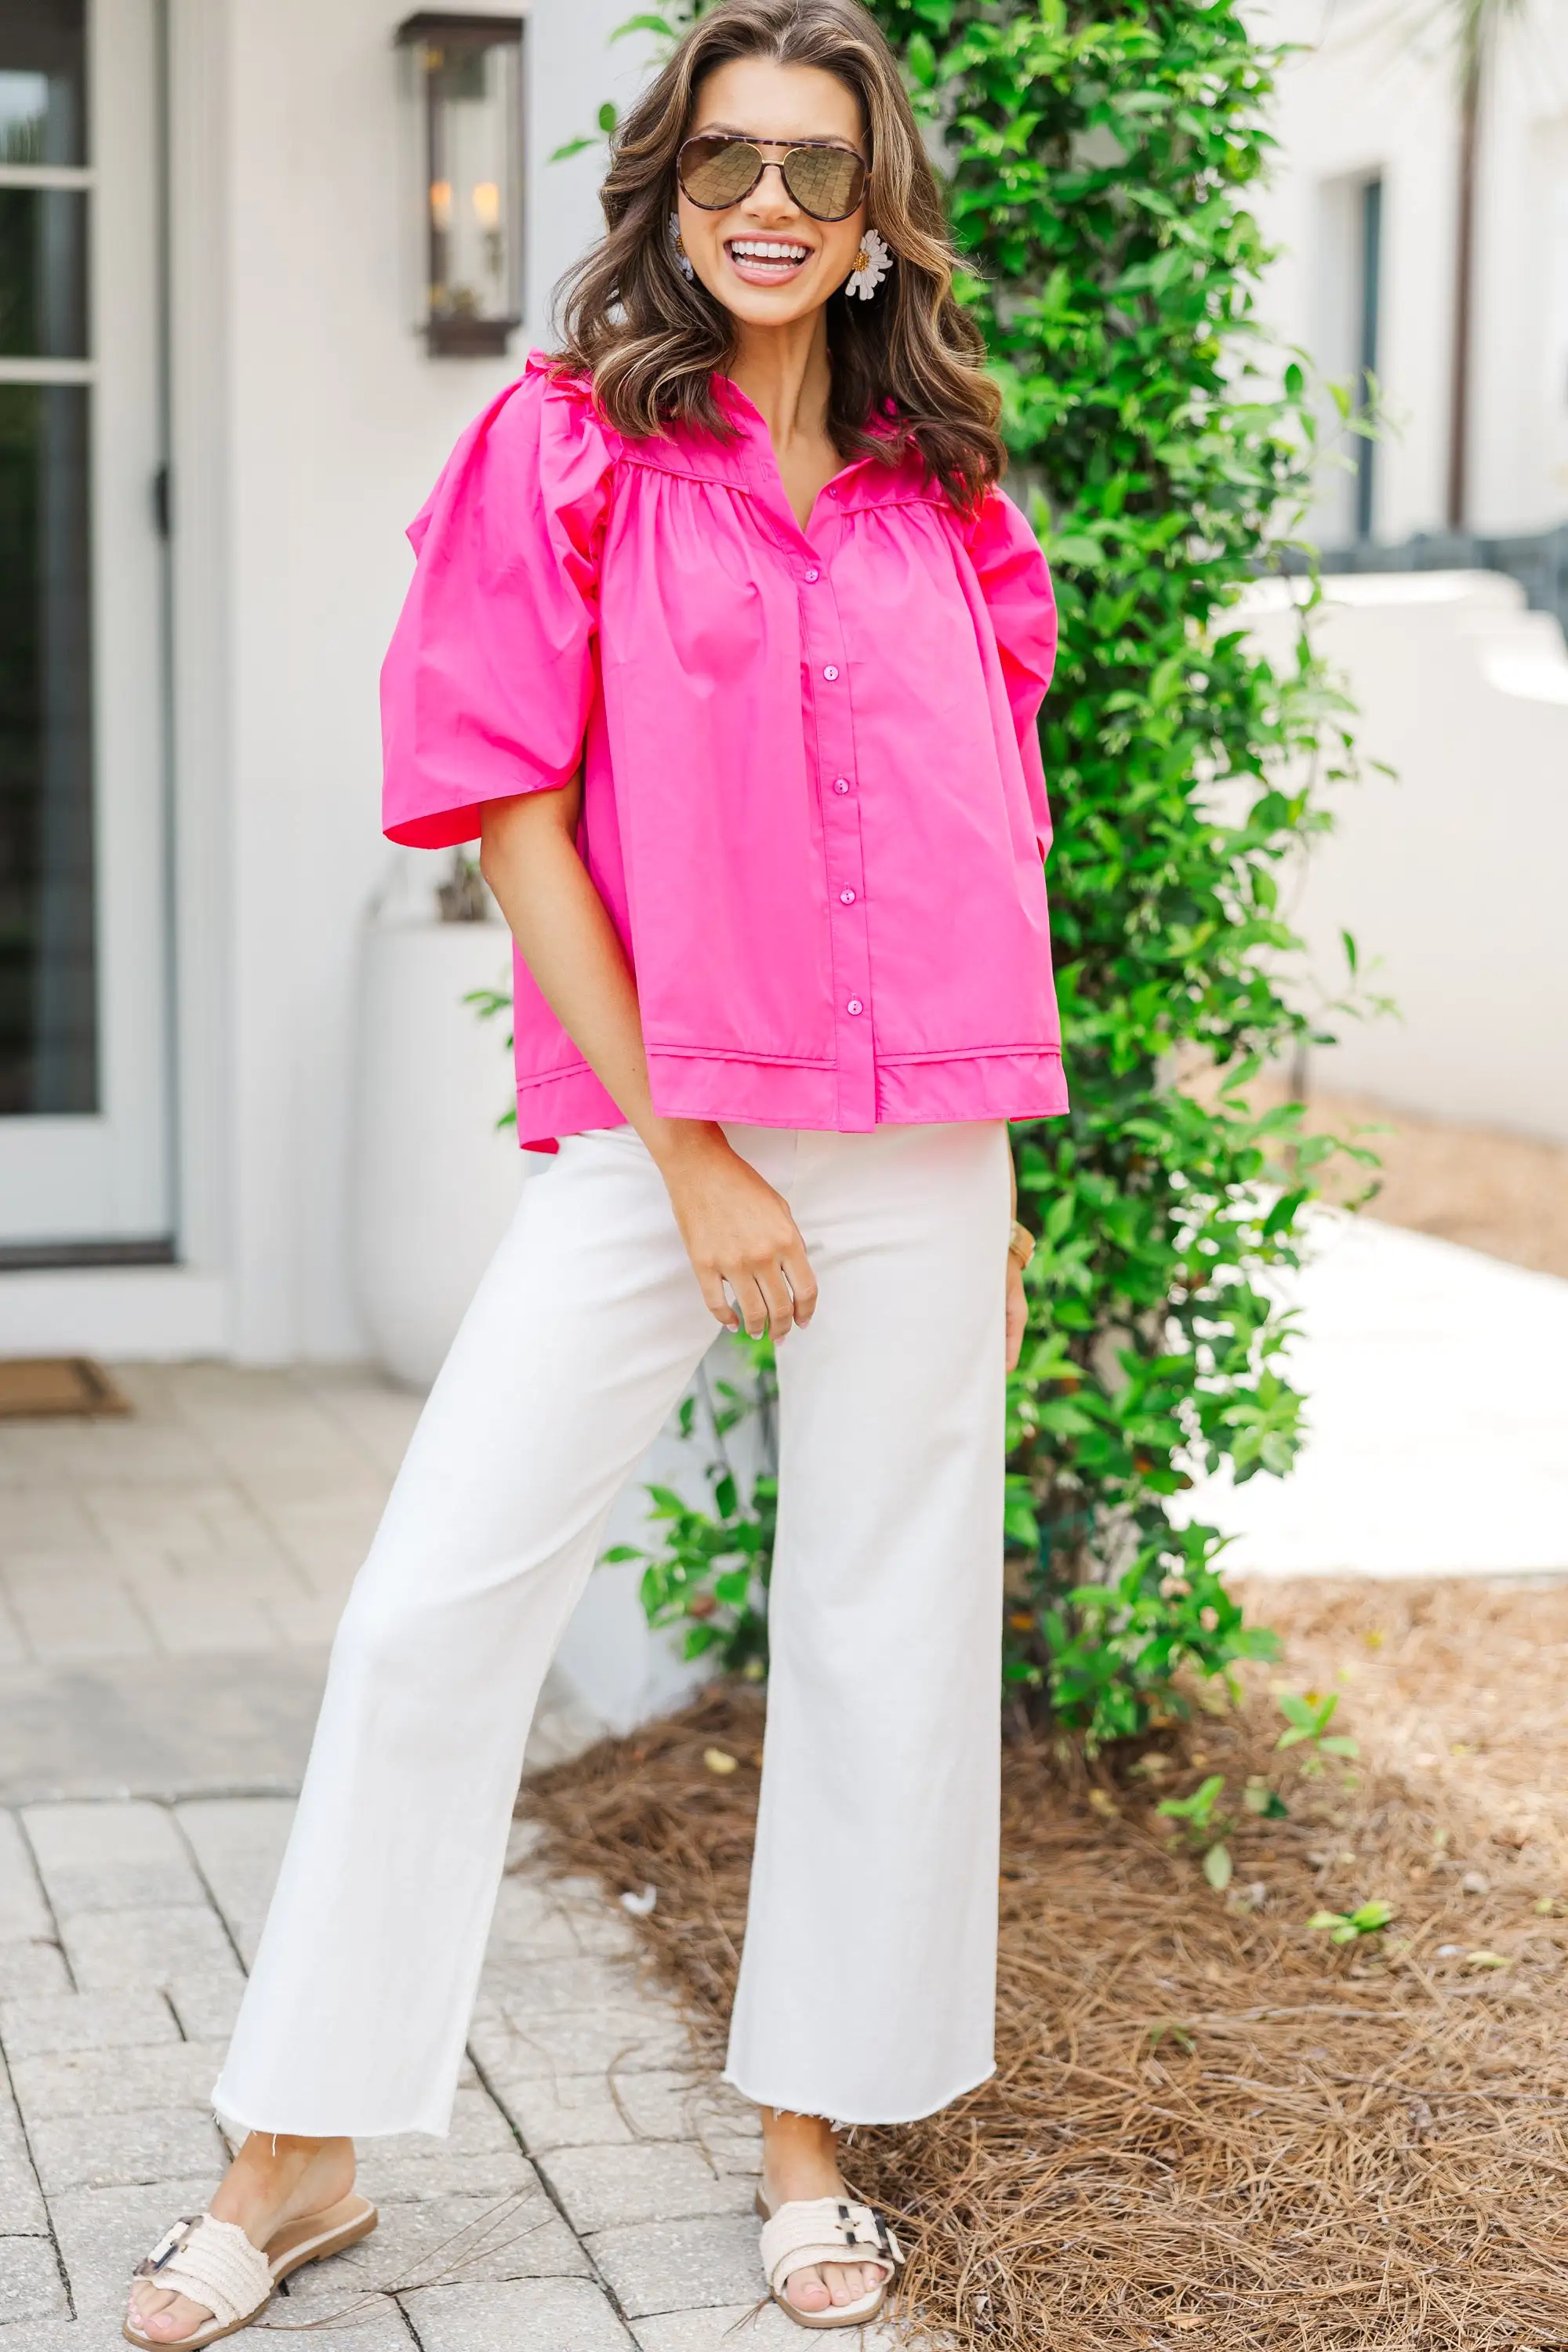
x,y
1099,164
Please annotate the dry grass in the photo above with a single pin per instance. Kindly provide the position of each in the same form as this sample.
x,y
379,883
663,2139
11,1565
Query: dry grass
x,y
1206,2124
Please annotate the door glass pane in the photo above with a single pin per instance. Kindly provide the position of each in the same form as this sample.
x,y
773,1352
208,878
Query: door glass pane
x,y
43,273
43,75
47,1024
48,1047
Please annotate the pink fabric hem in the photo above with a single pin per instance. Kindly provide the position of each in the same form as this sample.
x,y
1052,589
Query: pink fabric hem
x,y
753,1094
1026,1085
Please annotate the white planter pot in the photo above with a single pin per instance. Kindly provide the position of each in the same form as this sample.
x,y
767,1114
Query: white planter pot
x,y
436,1184
436,1181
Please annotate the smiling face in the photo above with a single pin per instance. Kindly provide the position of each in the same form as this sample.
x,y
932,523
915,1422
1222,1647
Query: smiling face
x,y
764,258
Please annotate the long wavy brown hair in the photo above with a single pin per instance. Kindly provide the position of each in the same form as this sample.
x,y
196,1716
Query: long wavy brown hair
x,y
651,340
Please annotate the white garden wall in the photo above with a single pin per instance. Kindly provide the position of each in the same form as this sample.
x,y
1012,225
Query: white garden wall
x,y
1452,873
336,424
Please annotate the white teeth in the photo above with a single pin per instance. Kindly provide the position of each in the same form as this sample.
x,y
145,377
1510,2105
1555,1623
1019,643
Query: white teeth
x,y
751,249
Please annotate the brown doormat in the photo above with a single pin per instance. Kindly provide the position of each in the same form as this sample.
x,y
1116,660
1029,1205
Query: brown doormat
x,y
36,1388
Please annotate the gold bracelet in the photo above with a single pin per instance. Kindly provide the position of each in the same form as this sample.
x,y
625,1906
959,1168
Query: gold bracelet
x,y
1020,1244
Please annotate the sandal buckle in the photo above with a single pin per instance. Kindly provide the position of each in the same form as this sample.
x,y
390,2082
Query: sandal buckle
x,y
850,2230
168,2246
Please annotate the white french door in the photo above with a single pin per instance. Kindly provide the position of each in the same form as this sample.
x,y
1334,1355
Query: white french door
x,y
84,1050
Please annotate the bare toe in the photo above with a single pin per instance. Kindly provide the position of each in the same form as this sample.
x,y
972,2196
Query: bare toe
x,y
167,2318
807,2290
851,2281
145,2301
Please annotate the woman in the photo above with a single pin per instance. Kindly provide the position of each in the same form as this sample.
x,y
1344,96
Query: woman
x,y
724,643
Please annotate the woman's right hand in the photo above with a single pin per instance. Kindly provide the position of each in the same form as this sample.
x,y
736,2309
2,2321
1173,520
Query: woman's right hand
x,y
738,1230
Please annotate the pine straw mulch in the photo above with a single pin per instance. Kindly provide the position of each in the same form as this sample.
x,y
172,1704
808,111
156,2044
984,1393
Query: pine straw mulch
x,y
1505,1195
1206,2124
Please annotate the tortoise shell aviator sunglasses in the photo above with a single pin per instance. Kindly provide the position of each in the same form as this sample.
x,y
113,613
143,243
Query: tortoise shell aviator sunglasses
x,y
721,168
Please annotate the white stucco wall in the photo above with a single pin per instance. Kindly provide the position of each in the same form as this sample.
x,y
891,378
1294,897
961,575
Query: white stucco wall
x,y
1446,861
335,423
1373,90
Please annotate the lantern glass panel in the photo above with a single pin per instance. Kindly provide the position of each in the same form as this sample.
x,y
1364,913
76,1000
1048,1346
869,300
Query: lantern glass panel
x,y
473,110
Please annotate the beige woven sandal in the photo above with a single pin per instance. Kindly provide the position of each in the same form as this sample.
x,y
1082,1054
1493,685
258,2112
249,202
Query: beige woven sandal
x,y
812,2230
214,2263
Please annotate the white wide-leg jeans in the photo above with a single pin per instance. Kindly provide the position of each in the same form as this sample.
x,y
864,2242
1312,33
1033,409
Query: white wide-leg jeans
x,y
866,1986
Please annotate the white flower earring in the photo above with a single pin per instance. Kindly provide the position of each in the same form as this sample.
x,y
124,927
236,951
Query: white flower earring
x,y
872,264
683,258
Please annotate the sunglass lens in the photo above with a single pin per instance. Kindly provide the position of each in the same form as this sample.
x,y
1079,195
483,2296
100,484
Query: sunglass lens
x,y
825,182
716,173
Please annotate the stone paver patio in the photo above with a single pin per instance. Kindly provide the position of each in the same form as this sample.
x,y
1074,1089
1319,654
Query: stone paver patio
x,y
167,1586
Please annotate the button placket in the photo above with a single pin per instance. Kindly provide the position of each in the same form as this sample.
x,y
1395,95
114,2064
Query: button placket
x,y
839,787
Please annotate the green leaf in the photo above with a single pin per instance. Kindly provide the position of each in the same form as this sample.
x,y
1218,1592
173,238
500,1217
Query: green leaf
x,y
919,58
1283,1215
1070,549
1345,1927
1218,1867
660,27
1019,1525
1199,1805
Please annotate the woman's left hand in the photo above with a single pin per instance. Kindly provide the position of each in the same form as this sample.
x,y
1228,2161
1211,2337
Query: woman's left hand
x,y
1017,1311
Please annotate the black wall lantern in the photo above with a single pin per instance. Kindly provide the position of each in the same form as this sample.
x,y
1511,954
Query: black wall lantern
x,y
466,86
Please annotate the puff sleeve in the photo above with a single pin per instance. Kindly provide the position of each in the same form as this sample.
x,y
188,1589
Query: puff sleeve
x,y
487,686
1016,587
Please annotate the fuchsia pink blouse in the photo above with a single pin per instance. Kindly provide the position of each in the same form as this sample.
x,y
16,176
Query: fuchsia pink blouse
x,y
813,801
